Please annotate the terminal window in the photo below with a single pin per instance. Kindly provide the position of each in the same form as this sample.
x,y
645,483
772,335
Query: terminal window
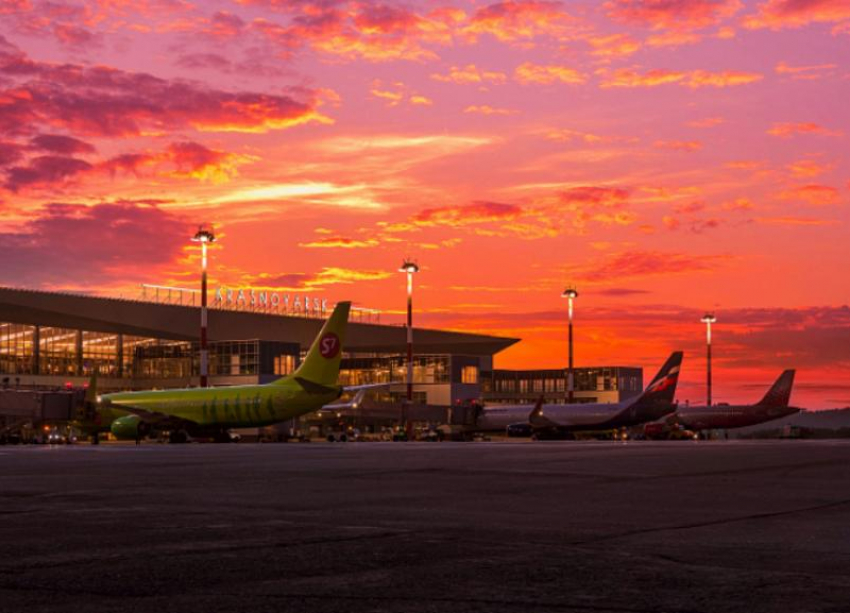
x,y
469,374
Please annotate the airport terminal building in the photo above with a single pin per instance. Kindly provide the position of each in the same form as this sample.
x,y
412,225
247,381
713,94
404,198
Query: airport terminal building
x,y
58,340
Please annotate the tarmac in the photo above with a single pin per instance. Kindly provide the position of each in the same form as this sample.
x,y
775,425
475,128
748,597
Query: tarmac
x,y
690,526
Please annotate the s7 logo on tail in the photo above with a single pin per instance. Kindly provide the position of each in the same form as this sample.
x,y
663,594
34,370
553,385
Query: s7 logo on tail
x,y
329,345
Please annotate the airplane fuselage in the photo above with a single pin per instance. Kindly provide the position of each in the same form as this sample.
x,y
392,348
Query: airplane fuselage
x,y
725,416
574,417
225,407
577,417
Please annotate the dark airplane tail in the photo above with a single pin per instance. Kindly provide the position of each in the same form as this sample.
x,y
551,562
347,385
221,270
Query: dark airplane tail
x,y
662,389
779,395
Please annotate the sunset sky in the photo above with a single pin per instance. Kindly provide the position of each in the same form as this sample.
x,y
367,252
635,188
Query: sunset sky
x,y
666,157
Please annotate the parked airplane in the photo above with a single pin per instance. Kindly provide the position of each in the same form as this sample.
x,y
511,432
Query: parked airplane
x,y
551,420
774,405
213,411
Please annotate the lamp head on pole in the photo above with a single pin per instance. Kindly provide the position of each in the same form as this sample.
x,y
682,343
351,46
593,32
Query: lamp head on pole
x,y
570,293
708,318
204,235
409,266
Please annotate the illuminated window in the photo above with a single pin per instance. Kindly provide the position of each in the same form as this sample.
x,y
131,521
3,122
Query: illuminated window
x,y
284,364
469,374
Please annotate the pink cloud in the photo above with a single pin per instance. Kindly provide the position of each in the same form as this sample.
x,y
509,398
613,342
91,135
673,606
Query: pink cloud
x,y
778,14
44,170
673,14
643,264
67,244
225,25
106,101
516,20
56,143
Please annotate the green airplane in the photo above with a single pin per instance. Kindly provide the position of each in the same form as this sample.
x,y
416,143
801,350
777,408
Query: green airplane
x,y
213,411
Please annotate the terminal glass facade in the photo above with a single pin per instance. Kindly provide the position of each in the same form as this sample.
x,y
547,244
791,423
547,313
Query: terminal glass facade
x,y
607,384
58,351
17,349
65,352
393,369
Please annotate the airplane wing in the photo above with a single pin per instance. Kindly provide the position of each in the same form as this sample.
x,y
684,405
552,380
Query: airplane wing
x,y
536,417
155,418
367,386
351,404
357,399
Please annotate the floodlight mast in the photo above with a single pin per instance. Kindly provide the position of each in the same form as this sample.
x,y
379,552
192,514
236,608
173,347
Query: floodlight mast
x,y
708,319
570,294
204,236
410,267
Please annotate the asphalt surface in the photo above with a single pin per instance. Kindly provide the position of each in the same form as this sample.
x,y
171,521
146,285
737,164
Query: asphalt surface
x,y
561,526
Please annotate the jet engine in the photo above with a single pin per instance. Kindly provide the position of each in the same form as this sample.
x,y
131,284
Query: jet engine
x,y
129,427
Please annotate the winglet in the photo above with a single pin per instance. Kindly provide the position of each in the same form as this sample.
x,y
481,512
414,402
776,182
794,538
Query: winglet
x,y
536,417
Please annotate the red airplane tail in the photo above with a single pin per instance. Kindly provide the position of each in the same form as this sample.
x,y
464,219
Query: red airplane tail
x,y
779,395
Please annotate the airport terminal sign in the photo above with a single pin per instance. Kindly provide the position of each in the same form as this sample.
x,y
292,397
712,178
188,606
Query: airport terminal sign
x,y
261,300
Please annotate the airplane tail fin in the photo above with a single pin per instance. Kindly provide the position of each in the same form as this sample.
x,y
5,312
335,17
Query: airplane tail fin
x,y
321,366
779,395
662,389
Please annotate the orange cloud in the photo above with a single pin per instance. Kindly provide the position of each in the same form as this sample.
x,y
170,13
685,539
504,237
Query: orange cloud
x,y
745,165
808,73
727,78
371,32
566,135
778,14
397,93
418,100
178,160
339,242
739,204
788,129
678,145
694,79
673,38
641,264
673,14
517,20
605,205
489,110
816,195
796,221
528,73
806,168
707,122
476,213
470,74
615,45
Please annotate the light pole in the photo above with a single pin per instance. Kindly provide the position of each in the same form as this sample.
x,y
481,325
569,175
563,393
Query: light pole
x,y
708,319
204,236
570,294
410,267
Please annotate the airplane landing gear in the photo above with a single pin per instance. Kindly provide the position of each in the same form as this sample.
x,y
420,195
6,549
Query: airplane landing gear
x,y
178,437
